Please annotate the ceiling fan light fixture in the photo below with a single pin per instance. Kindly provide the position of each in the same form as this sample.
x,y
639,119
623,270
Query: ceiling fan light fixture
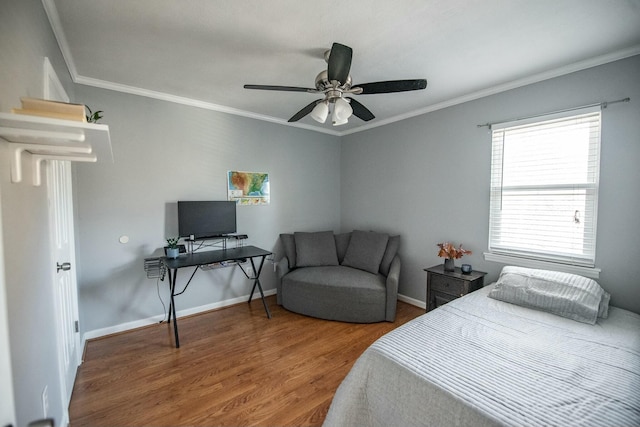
x,y
335,122
320,112
341,112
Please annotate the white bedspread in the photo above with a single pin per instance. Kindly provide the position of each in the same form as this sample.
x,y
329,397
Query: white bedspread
x,y
481,362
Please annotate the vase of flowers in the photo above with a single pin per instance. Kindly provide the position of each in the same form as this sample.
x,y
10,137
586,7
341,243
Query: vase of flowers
x,y
449,264
450,252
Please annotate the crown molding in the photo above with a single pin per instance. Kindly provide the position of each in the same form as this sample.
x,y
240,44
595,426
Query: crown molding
x,y
536,78
56,25
133,90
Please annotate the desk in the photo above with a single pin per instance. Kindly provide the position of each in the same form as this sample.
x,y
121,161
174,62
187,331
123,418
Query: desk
x,y
198,259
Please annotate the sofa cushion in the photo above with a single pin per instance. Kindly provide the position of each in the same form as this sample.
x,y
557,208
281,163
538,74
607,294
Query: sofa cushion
x,y
289,245
335,293
365,250
342,242
315,249
389,253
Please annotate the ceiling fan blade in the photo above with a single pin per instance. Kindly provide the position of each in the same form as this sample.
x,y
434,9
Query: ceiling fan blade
x,y
339,62
306,110
282,88
392,86
361,111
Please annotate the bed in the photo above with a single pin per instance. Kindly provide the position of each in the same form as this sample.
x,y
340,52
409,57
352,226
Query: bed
x,y
478,361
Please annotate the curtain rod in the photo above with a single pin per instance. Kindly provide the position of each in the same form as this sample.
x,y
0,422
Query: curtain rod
x,y
601,104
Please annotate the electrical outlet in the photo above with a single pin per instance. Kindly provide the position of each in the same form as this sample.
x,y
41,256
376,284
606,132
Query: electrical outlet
x,y
45,402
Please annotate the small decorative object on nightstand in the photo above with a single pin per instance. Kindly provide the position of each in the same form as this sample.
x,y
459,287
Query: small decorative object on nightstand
x,y
449,252
466,268
444,286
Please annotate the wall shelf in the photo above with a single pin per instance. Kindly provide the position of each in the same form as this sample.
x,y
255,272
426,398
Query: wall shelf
x,y
52,139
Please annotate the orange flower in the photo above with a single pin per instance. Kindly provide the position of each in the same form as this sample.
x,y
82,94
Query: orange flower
x,y
448,250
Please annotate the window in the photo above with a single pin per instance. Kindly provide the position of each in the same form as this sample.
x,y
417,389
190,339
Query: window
x,y
544,188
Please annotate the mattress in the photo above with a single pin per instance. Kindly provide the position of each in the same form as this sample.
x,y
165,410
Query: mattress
x,y
481,362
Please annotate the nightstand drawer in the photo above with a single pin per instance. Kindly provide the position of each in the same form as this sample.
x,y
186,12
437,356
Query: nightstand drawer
x,y
441,299
448,285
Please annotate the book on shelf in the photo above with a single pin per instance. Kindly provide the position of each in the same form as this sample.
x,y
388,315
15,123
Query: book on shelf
x,y
50,114
53,109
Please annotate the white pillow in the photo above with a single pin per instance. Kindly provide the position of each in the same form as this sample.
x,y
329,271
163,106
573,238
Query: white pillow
x,y
567,295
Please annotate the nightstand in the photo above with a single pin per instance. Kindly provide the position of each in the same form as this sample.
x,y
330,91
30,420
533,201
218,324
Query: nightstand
x,y
444,286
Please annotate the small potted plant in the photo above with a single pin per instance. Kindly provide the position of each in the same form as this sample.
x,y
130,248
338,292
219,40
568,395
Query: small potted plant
x,y
172,247
449,252
93,117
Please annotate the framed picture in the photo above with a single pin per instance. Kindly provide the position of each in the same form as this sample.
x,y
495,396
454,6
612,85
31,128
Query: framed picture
x,y
248,188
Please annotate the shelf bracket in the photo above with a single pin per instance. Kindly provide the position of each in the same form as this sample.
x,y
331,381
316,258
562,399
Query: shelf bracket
x,y
39,152
36,161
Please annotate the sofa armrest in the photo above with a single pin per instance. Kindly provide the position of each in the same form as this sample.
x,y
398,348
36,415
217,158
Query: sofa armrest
x,y
282,268
392,289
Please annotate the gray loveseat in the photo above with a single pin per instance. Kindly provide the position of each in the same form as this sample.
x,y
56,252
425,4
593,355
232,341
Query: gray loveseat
x,y
350,277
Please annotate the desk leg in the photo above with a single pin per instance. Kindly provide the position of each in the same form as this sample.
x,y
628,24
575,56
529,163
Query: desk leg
x,y
171,284
256,282
172,304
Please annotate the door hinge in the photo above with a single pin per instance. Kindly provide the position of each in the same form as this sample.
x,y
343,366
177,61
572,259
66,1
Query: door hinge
x,y
76,326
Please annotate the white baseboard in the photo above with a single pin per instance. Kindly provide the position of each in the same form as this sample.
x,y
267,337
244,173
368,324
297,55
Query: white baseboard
x,y
412,301
97,333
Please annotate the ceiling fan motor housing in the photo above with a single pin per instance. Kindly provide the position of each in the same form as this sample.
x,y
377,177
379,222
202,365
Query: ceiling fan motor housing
x,y
331,90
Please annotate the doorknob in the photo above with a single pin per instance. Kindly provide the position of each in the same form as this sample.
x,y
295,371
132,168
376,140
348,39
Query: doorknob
x,y
64,267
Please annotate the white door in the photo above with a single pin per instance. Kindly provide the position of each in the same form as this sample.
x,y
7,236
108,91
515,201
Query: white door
x,y
7,406
63,251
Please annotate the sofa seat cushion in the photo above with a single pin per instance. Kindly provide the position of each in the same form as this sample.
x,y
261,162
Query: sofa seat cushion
x,y
335,293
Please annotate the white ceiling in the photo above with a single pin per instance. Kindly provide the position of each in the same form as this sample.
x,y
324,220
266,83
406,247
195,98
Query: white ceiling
x,y
202,52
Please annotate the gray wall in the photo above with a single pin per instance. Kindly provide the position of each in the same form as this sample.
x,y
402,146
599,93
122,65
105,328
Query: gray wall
x,y
25,39
427,178
167,152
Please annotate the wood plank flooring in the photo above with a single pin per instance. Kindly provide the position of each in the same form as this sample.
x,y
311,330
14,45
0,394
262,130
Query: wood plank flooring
x,y
235,367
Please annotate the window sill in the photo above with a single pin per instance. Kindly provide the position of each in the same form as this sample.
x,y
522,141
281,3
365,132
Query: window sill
x,y
591,272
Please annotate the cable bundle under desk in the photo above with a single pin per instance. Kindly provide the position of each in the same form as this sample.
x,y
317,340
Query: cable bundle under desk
x,y
223,264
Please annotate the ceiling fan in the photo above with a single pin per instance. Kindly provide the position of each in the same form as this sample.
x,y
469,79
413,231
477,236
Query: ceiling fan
x,y
335,82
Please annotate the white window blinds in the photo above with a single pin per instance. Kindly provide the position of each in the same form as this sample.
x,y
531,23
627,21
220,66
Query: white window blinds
x,y
544,188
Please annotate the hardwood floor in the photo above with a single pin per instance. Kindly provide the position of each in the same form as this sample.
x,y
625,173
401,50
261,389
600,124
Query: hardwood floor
x,y
235,367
